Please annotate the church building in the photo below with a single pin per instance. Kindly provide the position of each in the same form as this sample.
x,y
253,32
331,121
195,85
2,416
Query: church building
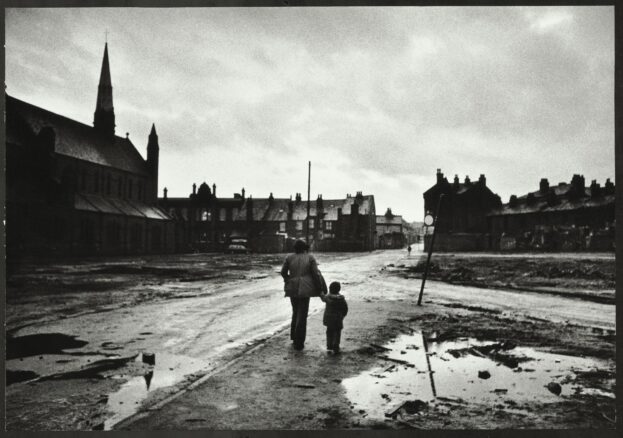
x,y
76,189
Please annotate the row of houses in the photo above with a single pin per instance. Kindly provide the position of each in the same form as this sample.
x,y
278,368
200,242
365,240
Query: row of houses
x,y
566,216
207,222
74,188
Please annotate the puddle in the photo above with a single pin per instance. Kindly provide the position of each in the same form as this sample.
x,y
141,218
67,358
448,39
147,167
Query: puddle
x,y
44,343
19,376
168,371
435,371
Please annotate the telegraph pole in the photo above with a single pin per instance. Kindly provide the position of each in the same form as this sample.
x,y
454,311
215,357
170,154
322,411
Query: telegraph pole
x,y
308,202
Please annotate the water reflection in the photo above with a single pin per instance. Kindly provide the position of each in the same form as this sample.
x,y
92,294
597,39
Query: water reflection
x,y
168,371
430,371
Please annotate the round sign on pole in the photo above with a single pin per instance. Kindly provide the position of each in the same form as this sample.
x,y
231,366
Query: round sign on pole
x,y
428,220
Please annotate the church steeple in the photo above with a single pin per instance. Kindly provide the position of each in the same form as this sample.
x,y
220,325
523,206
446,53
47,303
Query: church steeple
x,y
153,151
104,118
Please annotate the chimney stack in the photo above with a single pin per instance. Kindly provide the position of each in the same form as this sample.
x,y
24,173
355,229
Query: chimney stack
x,y
194,189
213,189
544,185
165,192
439,176
482,180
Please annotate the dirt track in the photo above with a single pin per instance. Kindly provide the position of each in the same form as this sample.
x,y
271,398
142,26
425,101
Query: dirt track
x,y
196,321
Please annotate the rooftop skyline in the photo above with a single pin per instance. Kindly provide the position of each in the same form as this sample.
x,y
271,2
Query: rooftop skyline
x,y
376,98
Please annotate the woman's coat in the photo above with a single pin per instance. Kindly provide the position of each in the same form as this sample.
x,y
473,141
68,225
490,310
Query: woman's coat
x,y
301,276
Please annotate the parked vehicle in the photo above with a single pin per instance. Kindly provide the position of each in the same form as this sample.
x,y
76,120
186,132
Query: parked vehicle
x,y
238,246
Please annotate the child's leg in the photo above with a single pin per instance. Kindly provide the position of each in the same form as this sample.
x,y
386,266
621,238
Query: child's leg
x,y
336,339
329,339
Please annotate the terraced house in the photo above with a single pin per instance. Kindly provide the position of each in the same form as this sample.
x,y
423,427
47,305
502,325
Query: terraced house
x,y
207,222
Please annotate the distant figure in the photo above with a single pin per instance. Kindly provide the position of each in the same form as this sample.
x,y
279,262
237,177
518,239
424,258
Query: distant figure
x,y
409,250
334,313
302,281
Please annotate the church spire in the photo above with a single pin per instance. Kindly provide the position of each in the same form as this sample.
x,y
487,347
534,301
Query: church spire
x,y
104,119
153,152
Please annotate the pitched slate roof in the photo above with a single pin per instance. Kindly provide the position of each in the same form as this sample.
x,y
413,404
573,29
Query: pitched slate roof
x,y
73,139
97,203
331,206
384,220
277,210
563,205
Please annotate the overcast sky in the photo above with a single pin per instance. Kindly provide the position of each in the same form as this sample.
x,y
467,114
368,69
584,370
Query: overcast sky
x,y
376,98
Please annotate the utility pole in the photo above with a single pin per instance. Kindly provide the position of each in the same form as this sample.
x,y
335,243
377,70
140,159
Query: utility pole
x,y
430,250
308,202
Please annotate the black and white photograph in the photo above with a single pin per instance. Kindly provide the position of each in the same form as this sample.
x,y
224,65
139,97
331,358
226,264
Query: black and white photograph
x,y
291,217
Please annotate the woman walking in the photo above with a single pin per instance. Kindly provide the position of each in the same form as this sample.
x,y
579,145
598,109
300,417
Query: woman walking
x,y
302,281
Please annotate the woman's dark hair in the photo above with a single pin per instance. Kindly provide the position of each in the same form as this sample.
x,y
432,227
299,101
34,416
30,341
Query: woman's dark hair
x,y
300,247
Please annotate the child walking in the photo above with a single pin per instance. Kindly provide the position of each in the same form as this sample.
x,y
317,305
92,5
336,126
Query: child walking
x,y
334,312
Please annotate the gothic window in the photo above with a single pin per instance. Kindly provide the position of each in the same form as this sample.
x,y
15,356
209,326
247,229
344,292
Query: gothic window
x,y
206,215
222,214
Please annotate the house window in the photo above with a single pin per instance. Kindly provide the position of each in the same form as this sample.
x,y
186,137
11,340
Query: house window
x,y
328,226
234,213
311,224
205,215
282,227
299,225
185,213
222,214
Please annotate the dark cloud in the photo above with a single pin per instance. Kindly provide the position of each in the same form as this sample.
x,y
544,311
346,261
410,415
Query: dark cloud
x,y
377,98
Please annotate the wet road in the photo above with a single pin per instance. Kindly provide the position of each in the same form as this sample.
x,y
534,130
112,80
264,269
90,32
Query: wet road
x,y
237,313
210,327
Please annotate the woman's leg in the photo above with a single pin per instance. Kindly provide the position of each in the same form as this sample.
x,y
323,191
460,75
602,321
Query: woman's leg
x,y
300,329
295,308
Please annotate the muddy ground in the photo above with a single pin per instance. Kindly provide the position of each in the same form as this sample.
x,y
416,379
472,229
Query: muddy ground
x,y
590,278
277,387
75,287
79,328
